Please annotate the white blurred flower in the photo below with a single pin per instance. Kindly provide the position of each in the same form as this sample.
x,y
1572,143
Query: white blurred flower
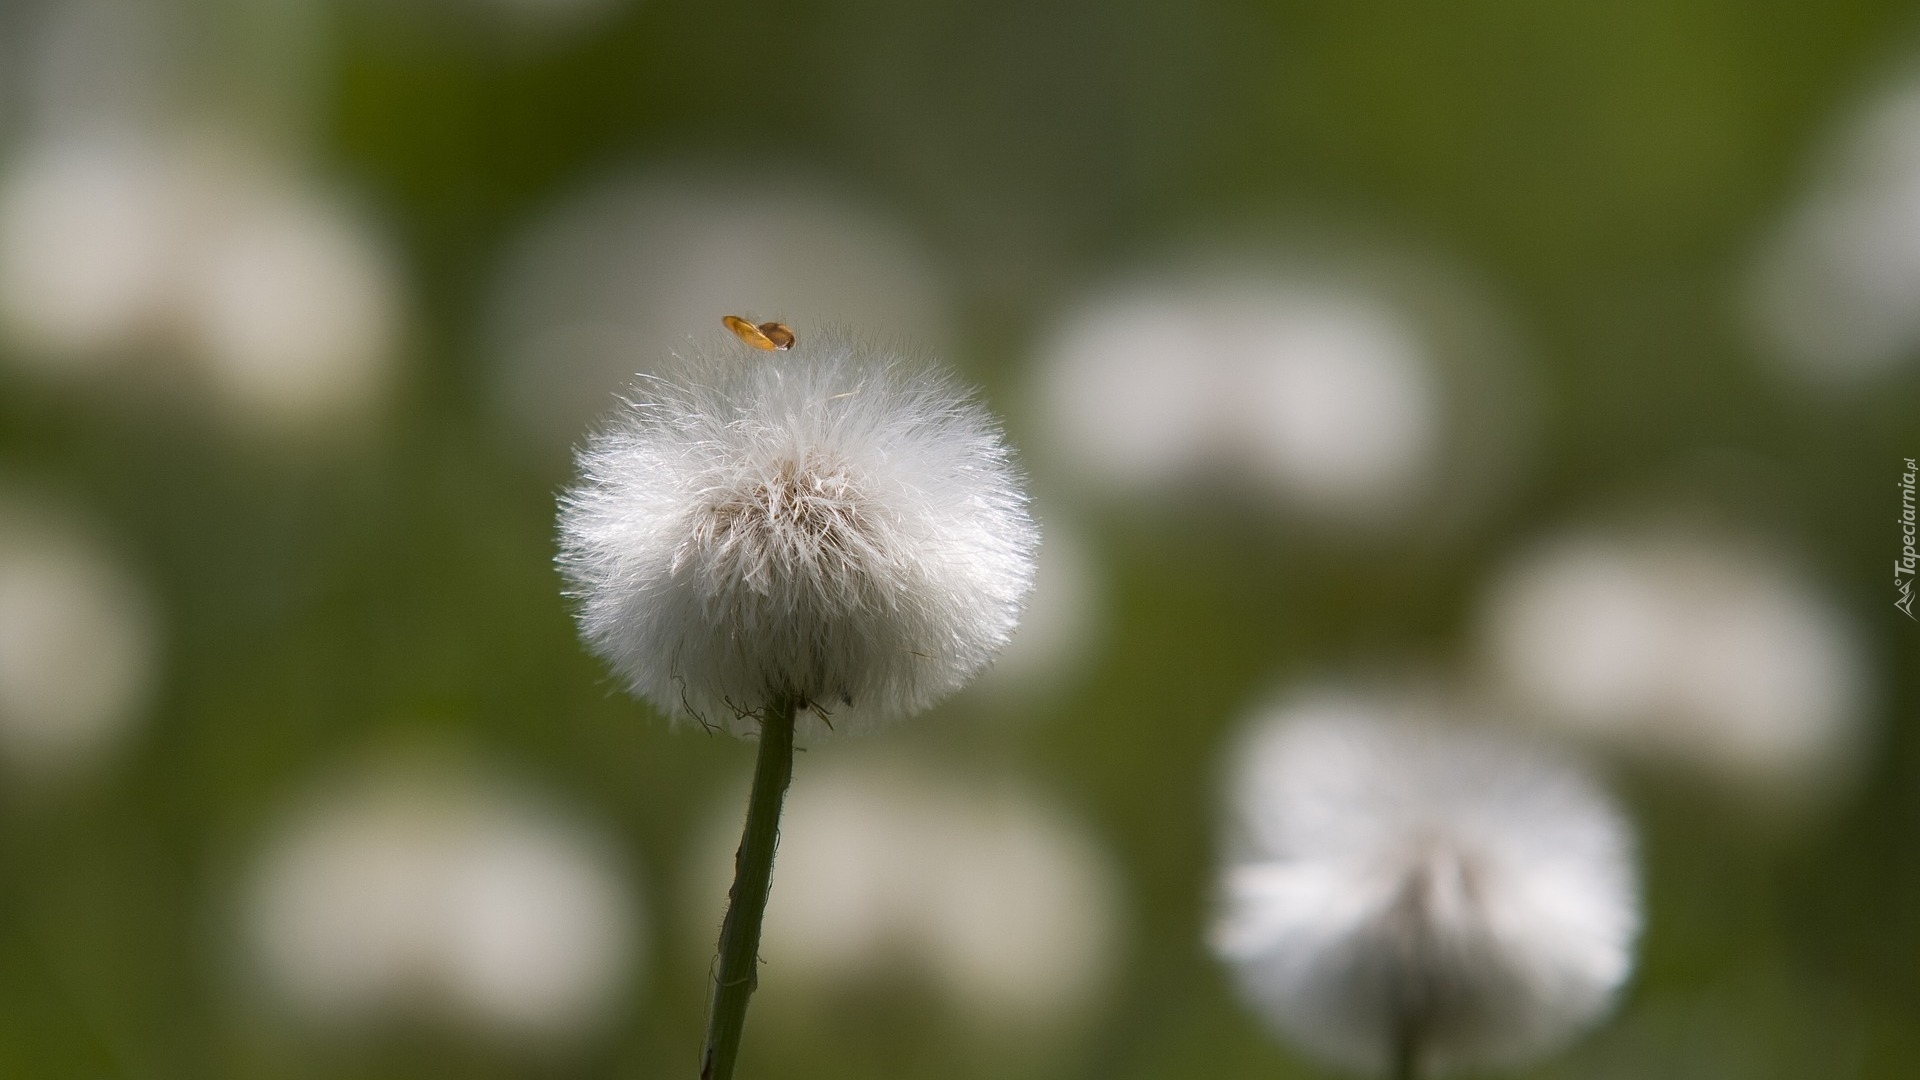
x,y
1682,647
833,523
77,642
1835,293
1062,622
1394,877
290,307
1325,386
427,890
1342,406
616,278
117,242
992,898
88,232
1133,388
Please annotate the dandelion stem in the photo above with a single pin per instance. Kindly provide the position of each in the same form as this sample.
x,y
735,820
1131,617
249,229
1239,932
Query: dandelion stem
x,y
747,902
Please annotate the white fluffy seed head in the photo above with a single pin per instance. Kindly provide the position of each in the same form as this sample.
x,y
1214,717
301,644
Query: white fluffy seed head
x,y
425,891
1393,877
834,523
1686,649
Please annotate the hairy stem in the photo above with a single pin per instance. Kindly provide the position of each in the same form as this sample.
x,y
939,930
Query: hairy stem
x,y
747,902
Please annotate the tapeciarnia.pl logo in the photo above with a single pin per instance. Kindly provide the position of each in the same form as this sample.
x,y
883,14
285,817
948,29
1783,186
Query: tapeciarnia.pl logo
x,y
1903,567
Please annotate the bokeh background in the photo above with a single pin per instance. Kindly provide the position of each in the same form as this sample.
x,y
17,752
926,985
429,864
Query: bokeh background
x,y
1556,364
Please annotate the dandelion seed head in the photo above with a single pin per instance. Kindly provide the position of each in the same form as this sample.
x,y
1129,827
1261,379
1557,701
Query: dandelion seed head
x,y
833,523
1831,295
78,642
1387,872
428,892
255,287
290,307
85,235
1699,650
895,874
1347,387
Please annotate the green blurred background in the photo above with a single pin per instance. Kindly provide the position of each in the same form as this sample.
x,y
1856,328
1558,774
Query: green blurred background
x,y
363,585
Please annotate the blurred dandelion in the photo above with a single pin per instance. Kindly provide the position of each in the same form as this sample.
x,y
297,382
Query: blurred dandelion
x,y
1404,894
895,871
1349,393
829,536
1694,648
1063,622
290,306
1344,406
87,232
615,278
1130,388
1835,292
135,226
279,301
437,893
77,641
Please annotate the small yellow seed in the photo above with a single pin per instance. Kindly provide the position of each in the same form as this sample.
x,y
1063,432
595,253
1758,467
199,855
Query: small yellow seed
x,y
766,336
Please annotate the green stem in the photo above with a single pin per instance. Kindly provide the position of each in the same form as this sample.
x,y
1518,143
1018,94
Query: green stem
x,y
747,902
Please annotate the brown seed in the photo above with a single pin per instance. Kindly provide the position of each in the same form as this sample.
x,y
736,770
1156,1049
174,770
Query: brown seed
x,y
779,333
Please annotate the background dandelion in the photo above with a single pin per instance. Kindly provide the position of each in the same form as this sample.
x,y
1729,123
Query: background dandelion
x,y
425,892
78,648
1349,387
1690,648
992,916
1405,894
